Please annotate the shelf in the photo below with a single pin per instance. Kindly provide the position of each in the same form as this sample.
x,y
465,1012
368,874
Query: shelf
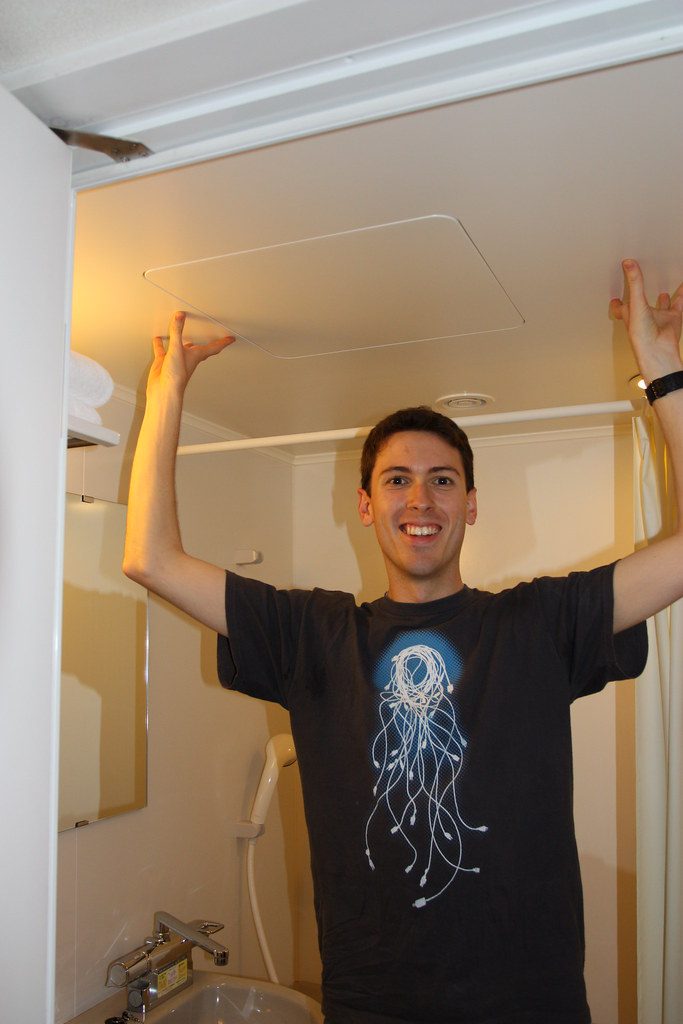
x,y
82,433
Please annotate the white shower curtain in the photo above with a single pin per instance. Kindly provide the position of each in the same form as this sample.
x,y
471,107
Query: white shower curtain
x,y
659,757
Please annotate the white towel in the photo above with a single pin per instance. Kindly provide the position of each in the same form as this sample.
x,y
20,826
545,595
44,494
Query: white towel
x,y
89,387
81,409
88,381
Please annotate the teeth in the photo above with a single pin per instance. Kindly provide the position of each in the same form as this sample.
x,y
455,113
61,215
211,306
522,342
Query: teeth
x,y
420,531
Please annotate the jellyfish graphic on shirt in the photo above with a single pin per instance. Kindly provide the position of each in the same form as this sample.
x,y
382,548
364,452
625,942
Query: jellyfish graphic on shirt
x,y
419,756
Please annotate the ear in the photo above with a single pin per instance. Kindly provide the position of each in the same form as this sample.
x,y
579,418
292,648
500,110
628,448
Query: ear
x,y
365,508
471,508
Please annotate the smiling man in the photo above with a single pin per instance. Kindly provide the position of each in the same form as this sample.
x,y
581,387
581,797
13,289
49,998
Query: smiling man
x,y
417,490
432,725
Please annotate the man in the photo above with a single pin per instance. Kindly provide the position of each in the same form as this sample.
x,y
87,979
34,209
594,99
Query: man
x,y
432,726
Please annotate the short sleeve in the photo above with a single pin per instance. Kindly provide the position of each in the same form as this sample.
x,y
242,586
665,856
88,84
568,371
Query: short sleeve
x,y
263,626
579,612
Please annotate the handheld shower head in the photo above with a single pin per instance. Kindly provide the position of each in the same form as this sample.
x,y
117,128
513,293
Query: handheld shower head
x,y
280,753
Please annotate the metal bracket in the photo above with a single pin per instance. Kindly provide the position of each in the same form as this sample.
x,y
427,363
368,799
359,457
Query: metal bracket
x,y
120,150
247,829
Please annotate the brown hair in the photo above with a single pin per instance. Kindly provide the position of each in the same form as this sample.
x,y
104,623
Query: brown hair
x,y
419,417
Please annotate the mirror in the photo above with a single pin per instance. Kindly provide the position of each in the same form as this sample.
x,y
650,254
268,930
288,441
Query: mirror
x,y
103,719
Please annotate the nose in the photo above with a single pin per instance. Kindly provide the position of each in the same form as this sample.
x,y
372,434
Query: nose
x,y
419,496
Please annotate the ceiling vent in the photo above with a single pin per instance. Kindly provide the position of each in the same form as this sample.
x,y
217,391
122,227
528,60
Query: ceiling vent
x,y
464,401
388,284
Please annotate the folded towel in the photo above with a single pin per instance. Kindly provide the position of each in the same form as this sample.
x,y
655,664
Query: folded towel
x,y
88,381
81,409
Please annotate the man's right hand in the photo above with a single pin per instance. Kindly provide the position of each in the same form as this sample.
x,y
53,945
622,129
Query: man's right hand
x,y
174,365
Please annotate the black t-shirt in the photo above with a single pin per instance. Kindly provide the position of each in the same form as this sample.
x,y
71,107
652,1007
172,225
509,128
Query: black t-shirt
x,y
435,754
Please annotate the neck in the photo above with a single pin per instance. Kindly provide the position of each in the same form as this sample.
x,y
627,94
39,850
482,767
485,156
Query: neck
x,y
418,591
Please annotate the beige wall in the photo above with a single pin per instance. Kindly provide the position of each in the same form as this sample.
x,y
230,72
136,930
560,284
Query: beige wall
x,y
548,503
205,746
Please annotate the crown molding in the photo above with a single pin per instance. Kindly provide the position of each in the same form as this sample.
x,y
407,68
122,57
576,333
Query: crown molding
x,y
219,433
123,88
214,431
494,441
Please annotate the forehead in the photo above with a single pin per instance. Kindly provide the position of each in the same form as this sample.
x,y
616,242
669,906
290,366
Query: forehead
x,y
417,450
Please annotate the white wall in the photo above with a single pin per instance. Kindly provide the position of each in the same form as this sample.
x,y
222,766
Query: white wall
x,y
548,503
205,746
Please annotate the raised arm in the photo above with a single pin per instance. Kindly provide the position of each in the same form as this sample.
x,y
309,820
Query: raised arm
x,y
154,554
652,578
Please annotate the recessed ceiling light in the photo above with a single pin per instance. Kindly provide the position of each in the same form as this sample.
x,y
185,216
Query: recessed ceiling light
x,y
462,401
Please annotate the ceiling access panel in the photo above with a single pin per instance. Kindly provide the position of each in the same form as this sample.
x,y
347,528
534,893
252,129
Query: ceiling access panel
x,y
387,284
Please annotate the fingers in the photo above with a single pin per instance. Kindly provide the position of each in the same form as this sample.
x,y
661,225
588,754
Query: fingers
x,y
175,327
616,309
634,290
197,352
634,309
634,301
619,309
213,347
634,286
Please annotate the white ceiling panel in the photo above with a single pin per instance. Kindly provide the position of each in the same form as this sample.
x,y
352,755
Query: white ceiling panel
x,y
388,284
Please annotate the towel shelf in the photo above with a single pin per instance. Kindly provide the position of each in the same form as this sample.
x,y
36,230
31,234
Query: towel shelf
x,y
82,433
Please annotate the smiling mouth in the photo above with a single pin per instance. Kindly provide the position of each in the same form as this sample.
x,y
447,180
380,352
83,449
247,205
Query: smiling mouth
x,y
419,531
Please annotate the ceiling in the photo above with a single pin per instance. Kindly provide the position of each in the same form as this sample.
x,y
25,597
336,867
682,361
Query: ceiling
x,y
554,176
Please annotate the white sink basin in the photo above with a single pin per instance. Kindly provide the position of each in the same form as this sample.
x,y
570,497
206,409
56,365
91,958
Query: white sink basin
x,y
219,999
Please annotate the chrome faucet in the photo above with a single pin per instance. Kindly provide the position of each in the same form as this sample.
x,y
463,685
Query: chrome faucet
x,y
162,966
197,932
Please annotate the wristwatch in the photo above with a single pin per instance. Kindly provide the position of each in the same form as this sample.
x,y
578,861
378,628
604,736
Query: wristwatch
x,y
663,385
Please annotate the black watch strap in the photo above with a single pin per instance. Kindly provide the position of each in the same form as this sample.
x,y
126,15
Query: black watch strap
x,y
663,385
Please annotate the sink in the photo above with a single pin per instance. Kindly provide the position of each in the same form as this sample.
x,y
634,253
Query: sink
x,y
219,999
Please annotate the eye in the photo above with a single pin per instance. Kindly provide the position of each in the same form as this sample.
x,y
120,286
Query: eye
x,y
397,480
443,481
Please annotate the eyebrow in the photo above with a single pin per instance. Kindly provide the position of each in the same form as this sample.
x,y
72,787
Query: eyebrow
x,y
432,469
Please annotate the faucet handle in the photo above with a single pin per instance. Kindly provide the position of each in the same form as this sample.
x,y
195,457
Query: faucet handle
x,y
220,955
207,927
131,966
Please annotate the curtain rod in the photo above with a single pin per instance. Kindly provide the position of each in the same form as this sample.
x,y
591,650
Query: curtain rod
x,y
349,433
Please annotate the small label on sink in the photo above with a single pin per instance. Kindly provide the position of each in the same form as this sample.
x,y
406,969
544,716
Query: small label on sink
x,y
172,977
